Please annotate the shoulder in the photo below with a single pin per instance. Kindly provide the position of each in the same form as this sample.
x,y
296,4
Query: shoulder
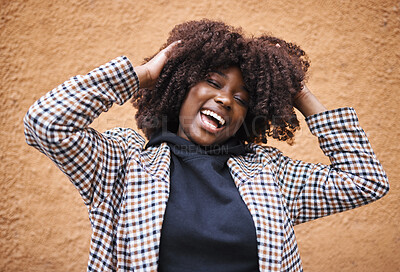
x,y
262,154
126,136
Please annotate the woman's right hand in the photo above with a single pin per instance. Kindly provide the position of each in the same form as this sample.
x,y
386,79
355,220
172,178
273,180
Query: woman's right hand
x,y
149,72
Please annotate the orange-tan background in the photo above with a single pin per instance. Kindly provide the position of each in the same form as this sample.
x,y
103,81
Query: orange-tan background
x,y
354,47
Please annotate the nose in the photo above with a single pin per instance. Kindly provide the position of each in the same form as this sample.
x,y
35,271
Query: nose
x,y
224,99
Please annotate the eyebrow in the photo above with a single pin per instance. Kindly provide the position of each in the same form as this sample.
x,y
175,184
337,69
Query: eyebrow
x,y
221,74
226,77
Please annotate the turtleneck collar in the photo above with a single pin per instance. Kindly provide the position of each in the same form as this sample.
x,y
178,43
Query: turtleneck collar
x,y
182,147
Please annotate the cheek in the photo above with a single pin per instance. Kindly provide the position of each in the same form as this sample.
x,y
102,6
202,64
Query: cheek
x,y
187,108
242,115
239,118
188,111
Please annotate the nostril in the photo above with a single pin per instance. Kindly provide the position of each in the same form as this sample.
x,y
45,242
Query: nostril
x,y
223,102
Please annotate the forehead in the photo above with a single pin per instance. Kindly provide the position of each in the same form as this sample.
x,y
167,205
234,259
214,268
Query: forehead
x,y
228,71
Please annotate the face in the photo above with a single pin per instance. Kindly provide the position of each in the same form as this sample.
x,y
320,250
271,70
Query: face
x,y
214,109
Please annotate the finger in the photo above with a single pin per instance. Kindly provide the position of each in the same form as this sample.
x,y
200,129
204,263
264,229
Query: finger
x,y
164,54
172,45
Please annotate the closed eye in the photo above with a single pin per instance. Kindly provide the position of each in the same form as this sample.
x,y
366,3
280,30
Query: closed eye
x,y
241,101
213,83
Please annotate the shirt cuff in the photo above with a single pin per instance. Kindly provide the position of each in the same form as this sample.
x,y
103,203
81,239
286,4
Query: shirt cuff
x,y
332,120
120,76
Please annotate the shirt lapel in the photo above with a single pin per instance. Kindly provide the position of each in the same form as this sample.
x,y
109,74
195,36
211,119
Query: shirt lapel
x,y
259,191
147,199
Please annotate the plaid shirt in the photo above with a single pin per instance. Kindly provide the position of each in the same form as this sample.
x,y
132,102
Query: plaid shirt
x,y
126,187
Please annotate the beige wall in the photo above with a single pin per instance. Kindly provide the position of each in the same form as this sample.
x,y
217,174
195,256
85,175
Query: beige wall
x,y
354,47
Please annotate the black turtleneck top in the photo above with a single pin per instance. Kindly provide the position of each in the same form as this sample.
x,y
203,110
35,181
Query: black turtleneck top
x,y
207,226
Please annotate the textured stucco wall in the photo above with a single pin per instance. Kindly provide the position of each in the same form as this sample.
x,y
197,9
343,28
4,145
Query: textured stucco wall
x,y
354,47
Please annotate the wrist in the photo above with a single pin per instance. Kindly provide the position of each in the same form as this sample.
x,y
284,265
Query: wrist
x,y
307,103
143,75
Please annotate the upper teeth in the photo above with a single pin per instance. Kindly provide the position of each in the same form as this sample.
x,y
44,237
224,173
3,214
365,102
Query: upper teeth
x,y
216,116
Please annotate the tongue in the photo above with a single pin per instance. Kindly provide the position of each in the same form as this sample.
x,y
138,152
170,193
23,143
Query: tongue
x,y
212,120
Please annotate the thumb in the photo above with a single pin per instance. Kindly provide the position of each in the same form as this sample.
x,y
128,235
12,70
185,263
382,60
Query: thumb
x,y
162,56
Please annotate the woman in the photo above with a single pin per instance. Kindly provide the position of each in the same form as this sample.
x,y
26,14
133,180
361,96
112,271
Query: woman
x,y
201,195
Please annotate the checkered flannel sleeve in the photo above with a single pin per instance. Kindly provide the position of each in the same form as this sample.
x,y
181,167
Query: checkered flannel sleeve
x,y
354,178
57,125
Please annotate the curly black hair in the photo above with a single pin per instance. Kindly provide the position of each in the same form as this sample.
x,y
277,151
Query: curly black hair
x,y
273,72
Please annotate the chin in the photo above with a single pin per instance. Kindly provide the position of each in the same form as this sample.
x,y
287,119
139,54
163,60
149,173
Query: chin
x,y
207,141
202,137
202,141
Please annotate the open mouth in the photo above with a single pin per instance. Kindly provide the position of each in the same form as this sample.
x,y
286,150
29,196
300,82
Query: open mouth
x,y
212,119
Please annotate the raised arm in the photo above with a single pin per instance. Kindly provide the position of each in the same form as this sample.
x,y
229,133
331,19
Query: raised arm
x,y
355,176
58,124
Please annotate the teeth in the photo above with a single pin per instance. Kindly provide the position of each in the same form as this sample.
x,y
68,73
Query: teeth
x,y
216,116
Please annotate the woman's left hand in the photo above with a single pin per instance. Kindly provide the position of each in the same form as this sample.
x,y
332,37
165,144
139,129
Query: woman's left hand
x,y
307,103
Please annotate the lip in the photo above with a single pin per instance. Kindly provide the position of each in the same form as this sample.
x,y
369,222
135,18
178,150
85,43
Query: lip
x,y
219,112
207,126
